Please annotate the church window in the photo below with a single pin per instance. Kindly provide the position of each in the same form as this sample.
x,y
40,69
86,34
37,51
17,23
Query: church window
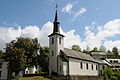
x,y
0,73
92,66
81,65
59,40
0,65
52,53
86,65
96,67
52,40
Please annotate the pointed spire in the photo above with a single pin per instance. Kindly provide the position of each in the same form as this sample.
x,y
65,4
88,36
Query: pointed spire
x,y
56,18
56,23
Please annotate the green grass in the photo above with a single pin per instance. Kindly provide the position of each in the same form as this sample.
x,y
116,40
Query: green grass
x,y
34,78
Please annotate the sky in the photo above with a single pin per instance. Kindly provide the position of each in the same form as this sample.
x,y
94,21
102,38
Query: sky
x,y
84,22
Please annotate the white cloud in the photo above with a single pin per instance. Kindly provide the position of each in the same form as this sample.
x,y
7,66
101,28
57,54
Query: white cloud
x,y
67,8
109,30
94,37
79,13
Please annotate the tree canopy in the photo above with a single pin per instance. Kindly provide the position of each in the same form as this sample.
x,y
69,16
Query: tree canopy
x,y
21,53
76,48
43,58
115,51
1,53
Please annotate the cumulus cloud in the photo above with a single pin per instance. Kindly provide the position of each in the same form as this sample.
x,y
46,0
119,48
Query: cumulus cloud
x,y
67,8
100,37
79,13
94,36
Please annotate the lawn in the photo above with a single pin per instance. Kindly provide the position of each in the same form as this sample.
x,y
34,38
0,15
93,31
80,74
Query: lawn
x,y
34,78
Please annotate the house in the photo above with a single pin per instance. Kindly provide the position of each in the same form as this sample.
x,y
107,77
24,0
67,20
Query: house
x,y
32,69
102,55
3,69
114,64
63,61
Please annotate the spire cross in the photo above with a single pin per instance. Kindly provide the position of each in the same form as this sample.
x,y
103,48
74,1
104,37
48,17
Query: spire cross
x,y
56,6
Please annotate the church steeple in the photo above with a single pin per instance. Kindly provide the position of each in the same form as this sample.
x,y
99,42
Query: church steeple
x,y
56,23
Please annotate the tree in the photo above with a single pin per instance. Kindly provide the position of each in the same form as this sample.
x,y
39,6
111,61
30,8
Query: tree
x,y
109,51
115,51
88,48
76,48
1,53
102,49
95,49
107,72
20,53
43,58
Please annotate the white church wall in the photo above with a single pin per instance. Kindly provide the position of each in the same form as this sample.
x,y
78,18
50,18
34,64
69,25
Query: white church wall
x,y
75,67
54,48
62,67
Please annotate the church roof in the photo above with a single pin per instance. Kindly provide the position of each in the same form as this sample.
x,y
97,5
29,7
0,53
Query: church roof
x,y
78,55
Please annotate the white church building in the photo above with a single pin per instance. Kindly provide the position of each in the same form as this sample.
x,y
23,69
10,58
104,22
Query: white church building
x,y
63,61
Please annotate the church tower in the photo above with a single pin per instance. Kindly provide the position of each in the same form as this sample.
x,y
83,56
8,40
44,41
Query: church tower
x,y
56,43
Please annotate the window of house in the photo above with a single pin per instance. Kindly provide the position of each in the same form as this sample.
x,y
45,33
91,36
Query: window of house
x,y
59,40
0,73
103,67
52,53
81,65
86,65
52,40
60,67
0,65
110,61
96,67
92,66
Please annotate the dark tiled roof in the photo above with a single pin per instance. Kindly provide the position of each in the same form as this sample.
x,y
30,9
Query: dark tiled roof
x,y
77,55
56,33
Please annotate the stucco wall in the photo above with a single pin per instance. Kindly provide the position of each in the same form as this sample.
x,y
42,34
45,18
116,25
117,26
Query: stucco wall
x,y
55,47
75,69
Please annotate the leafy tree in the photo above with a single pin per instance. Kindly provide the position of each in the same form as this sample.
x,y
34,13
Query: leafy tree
x,y
95,49
109,51
115,51
87,52
76,48
21,53
102,49
43,58
1,53
88,48
107,72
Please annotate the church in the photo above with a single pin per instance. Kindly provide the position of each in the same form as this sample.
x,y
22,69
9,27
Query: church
x,y
63,61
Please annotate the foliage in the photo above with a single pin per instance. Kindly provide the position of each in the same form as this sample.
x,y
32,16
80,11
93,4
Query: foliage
x,y
76,48
107,72
34,78
87,52
1,53
95,49
43,58
21,53
102,49
115,51
109,51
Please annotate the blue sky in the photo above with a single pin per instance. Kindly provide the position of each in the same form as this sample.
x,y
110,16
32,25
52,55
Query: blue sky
x,y
73,15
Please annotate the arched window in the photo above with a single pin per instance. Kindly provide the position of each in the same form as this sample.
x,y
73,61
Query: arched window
x,y
59,40
86,65
52,40
92,66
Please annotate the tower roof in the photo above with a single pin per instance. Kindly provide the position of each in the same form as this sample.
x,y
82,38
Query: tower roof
x,y
56,24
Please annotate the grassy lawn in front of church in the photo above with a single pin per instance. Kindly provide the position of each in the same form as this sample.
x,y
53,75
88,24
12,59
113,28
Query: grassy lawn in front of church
x,y
34,78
